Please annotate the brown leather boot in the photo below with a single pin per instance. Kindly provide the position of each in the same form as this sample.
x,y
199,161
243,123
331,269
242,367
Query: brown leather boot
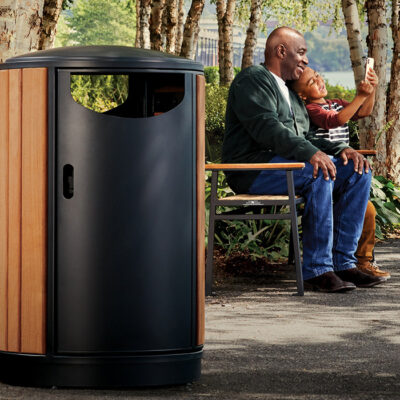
x,y
371,268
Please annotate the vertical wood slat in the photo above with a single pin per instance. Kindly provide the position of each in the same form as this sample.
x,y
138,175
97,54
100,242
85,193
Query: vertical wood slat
x,y
3,207
200,161
34,206
14,209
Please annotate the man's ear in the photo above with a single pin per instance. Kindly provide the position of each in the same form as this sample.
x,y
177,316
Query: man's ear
x,y
281,51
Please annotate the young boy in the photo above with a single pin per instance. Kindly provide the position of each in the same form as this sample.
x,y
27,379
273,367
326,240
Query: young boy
x,y
329,119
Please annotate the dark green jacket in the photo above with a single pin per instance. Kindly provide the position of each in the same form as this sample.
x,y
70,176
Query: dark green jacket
x,y
260,125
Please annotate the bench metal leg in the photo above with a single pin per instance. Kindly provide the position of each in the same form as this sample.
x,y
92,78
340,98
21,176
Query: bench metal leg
x,y
295,233
211,234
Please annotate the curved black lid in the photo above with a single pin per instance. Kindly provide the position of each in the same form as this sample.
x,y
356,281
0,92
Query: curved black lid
x,y
101,57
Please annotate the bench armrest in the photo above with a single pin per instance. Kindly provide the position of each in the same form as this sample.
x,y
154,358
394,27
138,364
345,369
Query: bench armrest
x,y
367,152
254,166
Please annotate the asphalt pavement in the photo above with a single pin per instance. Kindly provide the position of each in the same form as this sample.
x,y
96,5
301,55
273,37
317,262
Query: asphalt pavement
x,y
265,342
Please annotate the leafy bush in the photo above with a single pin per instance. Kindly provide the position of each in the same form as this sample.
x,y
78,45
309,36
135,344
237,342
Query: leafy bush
x,y
339,92
212,75
99,93
216,98
262,238
386,198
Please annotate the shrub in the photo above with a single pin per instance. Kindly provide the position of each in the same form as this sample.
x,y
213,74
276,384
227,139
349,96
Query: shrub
x,y
212,75
262,238
216,98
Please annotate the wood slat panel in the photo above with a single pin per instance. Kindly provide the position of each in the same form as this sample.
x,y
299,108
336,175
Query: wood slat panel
x,y
14,216
34,206
3,206
200,160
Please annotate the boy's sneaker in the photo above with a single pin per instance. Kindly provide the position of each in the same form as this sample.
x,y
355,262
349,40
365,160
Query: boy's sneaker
x,y
371,268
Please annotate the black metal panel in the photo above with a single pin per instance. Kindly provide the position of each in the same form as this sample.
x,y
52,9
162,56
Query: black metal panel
x,y
110,371
124,240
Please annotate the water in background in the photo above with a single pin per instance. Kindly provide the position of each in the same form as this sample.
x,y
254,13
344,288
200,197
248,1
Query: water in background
x,y
342,78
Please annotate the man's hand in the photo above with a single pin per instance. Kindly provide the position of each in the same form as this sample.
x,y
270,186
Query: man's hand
x,y
322,160
359,160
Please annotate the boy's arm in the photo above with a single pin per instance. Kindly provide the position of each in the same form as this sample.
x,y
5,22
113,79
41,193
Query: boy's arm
x,y
330,119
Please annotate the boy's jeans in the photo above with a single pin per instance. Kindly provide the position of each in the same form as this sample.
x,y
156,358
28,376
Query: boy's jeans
x,y
333,215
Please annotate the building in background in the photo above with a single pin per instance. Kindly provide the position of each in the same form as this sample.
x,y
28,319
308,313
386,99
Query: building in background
x,y
207,44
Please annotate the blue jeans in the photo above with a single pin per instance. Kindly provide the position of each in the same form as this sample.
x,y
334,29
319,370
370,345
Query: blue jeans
x,y
333,215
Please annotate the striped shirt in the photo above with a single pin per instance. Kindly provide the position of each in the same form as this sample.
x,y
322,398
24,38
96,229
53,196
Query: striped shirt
x,y
324,118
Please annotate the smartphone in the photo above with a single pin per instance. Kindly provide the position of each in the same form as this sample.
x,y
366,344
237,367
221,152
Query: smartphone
x,y
369,64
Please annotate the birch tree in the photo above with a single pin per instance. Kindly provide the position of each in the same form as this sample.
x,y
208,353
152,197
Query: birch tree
x,y
155,25
251,33
51,13
179,28
393,133
225,14
171,21
377,49
27,26
191,26
352,23
142,30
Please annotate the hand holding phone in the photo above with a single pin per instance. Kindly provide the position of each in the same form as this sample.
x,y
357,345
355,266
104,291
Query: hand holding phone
x,y
369,64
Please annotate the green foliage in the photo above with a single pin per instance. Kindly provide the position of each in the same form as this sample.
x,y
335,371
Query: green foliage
x,y
386,198
339,92
216,98
211,75
100,22
263,239
99,93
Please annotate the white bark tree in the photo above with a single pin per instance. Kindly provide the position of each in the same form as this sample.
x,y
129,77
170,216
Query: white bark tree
x,y
27,26
51,13
225,14
191,26
142,29
180,26
377,49
352,22
393,133
251,33
157,9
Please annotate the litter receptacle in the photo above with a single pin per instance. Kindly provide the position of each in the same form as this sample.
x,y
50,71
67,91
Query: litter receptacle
x,y
101,205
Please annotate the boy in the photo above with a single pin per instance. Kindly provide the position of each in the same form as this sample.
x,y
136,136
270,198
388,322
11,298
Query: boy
x,y
329,119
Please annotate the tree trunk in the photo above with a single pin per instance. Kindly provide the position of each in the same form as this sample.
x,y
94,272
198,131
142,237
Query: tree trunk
x,y
157,8
228,43
377,49
393,133
251,34
221,9
179,30
21,23
28,26
138,30
144,33
191,25
171,20
352,22
51,12
8,19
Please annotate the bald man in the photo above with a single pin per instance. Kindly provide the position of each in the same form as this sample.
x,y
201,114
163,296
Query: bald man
x,y
267,122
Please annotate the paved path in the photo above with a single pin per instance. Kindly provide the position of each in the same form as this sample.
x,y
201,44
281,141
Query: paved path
x,y
262,342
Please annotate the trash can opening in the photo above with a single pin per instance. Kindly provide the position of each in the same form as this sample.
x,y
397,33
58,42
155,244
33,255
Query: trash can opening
x,y
132,95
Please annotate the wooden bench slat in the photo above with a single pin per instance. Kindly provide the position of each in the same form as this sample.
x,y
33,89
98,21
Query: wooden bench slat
x,y
254,166
256,197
